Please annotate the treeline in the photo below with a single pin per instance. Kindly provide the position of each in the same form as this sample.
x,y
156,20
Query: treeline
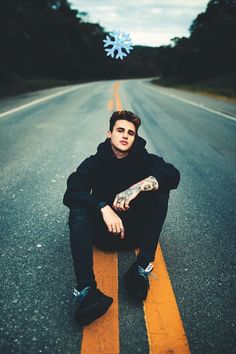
x,y
48,39
209,51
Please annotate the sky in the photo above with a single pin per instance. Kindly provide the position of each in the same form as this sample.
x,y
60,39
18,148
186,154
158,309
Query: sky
x,y
149,22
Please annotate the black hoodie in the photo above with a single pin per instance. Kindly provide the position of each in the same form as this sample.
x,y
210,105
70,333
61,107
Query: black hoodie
x,y
102,176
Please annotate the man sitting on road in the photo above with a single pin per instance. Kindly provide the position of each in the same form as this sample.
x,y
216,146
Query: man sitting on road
x,y
118,200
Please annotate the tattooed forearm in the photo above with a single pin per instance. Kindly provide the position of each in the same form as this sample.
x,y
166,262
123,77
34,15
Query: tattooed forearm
x,y
123,199
148,184
133,190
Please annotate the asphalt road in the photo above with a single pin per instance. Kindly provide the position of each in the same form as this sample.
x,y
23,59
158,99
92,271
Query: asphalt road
x,y
42,144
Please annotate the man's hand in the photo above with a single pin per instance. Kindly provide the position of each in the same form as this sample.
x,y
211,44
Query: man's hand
x,y
123,199
113,221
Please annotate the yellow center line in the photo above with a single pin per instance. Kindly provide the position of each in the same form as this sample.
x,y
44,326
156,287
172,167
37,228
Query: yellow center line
x,y
110,105
165,329
117,96
164,325
102,336
163,321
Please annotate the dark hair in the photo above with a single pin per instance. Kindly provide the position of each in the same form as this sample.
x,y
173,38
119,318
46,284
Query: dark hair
x,y
126,115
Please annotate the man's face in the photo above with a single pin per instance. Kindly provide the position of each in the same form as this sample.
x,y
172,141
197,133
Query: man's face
x,y
122,136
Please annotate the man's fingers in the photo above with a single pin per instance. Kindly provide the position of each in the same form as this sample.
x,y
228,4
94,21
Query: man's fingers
x,y
115,202
110,227
126,205
118,205
114,229
117,229
121,205
122,230
122,233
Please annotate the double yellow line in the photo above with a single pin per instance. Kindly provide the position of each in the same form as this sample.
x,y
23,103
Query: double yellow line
x,y
102,336
163,322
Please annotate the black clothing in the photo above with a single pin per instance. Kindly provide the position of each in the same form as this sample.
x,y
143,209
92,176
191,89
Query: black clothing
x,y
142,223
106,175
92,305
136,281
100,178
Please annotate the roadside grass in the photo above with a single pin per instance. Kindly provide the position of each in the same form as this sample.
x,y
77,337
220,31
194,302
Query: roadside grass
x,y
224,86
23,86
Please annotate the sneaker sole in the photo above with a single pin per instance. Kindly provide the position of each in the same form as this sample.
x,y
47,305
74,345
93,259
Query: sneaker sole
x,y
93,312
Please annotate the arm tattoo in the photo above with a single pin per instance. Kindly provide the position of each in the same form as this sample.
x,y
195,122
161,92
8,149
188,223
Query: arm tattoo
x,y
128,192
148,184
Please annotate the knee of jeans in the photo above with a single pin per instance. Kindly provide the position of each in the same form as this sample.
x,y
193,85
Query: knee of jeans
x,y
161,195
79,216
153,198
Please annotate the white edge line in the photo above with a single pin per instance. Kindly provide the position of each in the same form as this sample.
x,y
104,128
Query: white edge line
x,y
17,109
194,103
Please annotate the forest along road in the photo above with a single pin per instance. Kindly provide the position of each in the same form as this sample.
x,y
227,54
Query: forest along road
x,y
44,141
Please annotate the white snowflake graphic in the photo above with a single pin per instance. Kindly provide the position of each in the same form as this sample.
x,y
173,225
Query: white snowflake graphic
x,y
121,41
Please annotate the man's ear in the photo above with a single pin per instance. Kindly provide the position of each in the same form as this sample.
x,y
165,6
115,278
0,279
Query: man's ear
x,y
109,134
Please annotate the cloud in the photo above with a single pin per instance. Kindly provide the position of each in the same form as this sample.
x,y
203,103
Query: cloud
x,y
145,19
152,39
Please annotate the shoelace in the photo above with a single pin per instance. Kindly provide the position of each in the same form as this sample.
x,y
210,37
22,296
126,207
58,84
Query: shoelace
x,y
81,294
147,271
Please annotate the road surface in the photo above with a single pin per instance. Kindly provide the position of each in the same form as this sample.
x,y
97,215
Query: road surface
x,y
44,137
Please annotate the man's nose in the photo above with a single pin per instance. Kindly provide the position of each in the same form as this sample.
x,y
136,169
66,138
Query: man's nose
x,y
125,135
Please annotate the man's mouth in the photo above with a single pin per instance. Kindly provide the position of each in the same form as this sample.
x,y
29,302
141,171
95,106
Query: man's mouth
x,y
123,142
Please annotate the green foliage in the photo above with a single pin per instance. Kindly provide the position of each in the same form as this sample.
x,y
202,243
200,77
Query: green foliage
x,y
211,48
47,39
223,85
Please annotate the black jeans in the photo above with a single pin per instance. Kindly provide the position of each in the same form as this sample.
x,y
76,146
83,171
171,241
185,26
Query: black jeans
x,y
142,223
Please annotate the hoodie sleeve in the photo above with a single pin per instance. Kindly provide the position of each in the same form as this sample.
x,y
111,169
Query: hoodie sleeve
x,y
166,174
79,185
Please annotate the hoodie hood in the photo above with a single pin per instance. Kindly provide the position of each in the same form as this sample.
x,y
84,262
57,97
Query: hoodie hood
x,y
122,173
105,152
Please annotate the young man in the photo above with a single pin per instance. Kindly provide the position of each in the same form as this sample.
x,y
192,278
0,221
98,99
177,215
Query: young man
x,y
118,200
